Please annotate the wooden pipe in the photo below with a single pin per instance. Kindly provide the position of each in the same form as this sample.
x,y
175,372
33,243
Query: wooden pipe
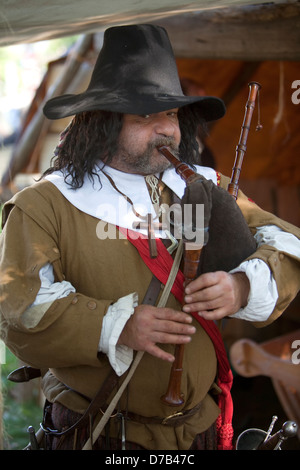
x,y
233,186
192,253
182,169
173,395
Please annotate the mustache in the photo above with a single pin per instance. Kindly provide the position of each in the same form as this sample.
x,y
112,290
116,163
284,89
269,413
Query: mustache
x,y
165,141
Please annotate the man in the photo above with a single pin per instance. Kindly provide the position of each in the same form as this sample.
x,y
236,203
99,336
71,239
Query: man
x,y
75,277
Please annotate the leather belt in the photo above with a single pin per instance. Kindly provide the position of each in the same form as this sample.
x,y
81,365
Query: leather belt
x,y
173,420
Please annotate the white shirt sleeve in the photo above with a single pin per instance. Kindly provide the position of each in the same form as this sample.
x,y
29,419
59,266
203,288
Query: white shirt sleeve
x,y
120,356
263,290
50,290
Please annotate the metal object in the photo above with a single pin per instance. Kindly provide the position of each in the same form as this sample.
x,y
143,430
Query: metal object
x,y
274,419
257,439
33,440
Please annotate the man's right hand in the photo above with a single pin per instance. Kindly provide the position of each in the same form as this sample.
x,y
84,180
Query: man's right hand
x,y
150,325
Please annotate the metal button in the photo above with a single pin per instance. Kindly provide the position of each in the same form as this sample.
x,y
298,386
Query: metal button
x,y
92,305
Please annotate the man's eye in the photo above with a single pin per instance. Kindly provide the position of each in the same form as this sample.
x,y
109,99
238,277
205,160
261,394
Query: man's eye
x,y
146,116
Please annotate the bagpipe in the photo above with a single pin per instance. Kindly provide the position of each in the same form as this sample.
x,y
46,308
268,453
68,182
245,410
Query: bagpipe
x,y
227,242
227,239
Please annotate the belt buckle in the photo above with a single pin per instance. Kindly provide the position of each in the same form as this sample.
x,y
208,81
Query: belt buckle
x,y
174,415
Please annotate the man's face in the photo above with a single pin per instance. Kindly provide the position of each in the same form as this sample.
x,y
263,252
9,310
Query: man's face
x,y
139,138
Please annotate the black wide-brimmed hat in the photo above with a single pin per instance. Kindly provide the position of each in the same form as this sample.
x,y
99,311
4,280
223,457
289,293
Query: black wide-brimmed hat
x,y
135,73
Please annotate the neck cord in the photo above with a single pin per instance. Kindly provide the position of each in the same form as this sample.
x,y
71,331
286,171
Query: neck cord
x,y
152,182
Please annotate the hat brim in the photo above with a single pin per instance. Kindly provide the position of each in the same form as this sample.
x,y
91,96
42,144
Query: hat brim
x,y
210,108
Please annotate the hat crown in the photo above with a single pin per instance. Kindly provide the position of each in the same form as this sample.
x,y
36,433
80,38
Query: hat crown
x,y
136,58
135,73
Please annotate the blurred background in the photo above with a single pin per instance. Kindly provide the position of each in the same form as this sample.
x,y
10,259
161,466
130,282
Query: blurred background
x,y
46,50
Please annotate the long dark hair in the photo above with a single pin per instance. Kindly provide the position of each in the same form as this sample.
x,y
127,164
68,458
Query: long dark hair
x,y
92,138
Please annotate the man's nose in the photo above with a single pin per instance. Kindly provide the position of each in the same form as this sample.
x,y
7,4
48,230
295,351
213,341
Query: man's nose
x,y
164,125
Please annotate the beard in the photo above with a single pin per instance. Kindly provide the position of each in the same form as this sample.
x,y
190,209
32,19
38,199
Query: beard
x,y
150,161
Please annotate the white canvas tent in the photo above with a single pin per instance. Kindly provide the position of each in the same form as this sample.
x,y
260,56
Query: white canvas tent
x,y
203,28
36,20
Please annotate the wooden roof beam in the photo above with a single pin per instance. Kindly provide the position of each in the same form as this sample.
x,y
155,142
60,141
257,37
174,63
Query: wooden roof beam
x,y
256,32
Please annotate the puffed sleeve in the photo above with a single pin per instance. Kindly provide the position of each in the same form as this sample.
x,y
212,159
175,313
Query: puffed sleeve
x,y
69,332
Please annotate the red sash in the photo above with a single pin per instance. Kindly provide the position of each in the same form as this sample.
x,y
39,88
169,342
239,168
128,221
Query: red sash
x,y
160,267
